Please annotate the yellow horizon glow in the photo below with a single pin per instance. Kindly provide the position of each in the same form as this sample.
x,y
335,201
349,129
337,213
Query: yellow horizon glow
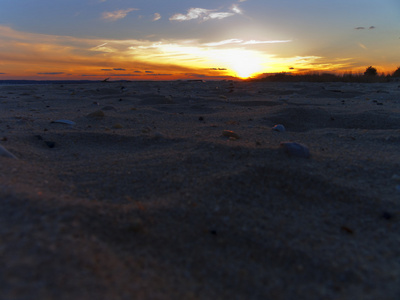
x,y
29,56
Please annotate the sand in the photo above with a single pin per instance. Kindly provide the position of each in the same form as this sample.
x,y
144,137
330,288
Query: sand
x,y
144,197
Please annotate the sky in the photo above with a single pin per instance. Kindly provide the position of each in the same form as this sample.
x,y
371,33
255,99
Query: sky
x,y
208,39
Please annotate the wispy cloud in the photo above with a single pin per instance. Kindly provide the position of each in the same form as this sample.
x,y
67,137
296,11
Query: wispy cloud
x,y
206,14
242,42
235,8
362,28
193,13
118,14
156,17
362,46
50,73
119,69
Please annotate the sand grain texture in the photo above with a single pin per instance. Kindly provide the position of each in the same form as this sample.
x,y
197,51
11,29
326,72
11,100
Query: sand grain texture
x,y
146,198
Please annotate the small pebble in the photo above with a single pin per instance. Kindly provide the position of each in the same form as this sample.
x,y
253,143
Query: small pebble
x,y
230,134
295,149
279,128
98,114
117,126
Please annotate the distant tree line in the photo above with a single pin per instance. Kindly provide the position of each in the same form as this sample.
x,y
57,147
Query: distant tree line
x,y
370,75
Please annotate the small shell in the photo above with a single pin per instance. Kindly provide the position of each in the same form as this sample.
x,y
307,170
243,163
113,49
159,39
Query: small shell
x,y
279,127
67,122
295,149
4,152
230,134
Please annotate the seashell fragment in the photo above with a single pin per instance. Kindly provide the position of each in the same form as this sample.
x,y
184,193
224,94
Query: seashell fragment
x,y
67,122
279,128
295,149
5,153
230,134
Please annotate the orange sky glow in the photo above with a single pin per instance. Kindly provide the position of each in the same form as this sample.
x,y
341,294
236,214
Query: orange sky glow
x,y
231,54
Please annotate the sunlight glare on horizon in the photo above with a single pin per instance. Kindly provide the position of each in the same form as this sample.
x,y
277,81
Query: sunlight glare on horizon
x,y
240,63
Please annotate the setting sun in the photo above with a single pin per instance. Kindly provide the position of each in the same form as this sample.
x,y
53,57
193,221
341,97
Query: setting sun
x,y
240,62
246,67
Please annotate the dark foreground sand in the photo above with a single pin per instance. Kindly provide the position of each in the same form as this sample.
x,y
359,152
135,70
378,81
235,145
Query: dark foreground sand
x,y
151,201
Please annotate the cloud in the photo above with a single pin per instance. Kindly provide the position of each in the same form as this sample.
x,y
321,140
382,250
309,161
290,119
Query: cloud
x,y
236,9
119,69
118,14
50,73
193,13
219,15
158,74
205,14
362,28
149,72
242,42
106,69
157,17
362,46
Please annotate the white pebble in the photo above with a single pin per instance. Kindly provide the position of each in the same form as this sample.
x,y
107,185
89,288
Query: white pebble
x,y
279,127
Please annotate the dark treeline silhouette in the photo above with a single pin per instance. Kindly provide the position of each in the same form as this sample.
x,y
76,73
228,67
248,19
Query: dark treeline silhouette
x,y
370,75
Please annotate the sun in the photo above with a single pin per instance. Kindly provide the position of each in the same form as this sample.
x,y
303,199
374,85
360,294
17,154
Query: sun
x,y
244,64
246,68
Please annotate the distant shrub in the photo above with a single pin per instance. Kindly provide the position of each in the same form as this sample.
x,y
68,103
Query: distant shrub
x,y
371,71
396,73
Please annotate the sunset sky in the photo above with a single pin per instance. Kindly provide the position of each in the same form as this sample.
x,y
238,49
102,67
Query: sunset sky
x,y
208,39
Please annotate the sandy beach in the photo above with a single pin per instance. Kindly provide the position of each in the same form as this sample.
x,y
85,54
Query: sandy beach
x,y
183,190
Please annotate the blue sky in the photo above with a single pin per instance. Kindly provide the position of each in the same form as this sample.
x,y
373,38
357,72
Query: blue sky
x,y
189,38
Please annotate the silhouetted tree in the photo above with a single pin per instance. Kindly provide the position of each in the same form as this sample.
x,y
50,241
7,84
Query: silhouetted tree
x,y
371,71
396,73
